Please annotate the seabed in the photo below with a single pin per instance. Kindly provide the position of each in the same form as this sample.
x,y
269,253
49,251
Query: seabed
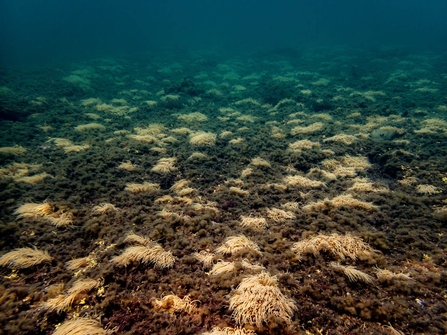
x,y
280,192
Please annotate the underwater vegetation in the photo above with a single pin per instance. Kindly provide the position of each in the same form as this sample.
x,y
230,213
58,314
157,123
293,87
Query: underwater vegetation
x,y
218,194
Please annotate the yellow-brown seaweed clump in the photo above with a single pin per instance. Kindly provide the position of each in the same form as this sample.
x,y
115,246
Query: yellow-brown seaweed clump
x,y
300,181
24,258
342,138
81,326
34,210
173,304
80,264
104,208
128,166
45,210
222,267
341,246
230,331
234,244
260,162
61,219
35,179
349,201
202,138
165,165
254,222
90,126
365,186
17,150
20,172
136,188
279,215
384,275
303,144
192,117
347,166
258,298
146,251
427,189
352,273
239,191
205,257
343,200
65,300
314,127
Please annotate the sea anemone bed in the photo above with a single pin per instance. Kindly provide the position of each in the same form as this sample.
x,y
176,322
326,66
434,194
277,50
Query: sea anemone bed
x,y
180,192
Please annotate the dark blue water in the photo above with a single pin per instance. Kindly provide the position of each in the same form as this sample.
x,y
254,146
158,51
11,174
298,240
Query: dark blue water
x,y
46,32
